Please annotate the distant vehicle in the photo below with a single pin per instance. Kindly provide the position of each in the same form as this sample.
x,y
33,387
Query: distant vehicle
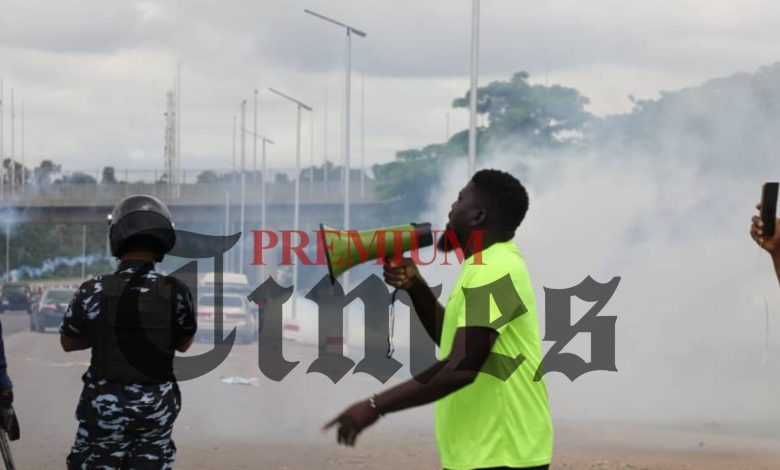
x,y
16,296
48,311
237,312
229,280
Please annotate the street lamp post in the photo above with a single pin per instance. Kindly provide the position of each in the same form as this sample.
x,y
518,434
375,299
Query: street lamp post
x,y
243,187
311,155
227,223
2,142
325,144
24,176
83,252
473,92
233,169
296,211
13,142
264,140
254,144
264,197
348,71
362,135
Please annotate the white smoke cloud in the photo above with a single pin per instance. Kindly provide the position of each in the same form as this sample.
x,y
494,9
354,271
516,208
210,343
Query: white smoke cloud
x,y
672,221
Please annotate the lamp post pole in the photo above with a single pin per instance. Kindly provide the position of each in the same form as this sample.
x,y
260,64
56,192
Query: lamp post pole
x,y
243,187
348,72
296,211
263,203
473,92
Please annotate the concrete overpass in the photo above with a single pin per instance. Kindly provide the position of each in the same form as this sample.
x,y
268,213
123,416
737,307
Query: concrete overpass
x,y
195,204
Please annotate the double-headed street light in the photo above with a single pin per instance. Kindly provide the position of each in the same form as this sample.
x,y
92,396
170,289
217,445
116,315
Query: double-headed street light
x,y
263,203
296,211
350,31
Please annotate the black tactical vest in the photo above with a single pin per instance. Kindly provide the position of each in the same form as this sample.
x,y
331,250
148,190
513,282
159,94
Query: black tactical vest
x,y
132,339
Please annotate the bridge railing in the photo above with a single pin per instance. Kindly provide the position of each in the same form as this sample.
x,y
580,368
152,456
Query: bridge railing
x,y
106,194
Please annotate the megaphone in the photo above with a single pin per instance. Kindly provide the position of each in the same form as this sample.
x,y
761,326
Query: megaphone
x,y
347,248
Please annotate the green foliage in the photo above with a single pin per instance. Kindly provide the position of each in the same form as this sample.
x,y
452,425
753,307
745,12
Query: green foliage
x,y
76,178
45,172
538,115
32,244
108,175
20,171
520,116
334,173
207,177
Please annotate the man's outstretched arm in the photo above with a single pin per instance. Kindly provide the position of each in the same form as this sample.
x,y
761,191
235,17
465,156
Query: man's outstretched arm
x,y
457,371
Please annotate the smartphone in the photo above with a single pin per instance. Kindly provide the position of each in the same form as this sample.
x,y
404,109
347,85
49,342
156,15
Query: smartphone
x,y
769,208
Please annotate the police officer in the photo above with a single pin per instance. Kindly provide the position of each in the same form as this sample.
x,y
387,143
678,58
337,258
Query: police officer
x,y
133,320
8,421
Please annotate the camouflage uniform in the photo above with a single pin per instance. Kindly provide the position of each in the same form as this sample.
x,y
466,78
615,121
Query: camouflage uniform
x,y
125,425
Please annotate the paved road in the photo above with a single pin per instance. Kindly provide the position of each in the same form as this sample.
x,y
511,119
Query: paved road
x,y
14,322
276,425
273,425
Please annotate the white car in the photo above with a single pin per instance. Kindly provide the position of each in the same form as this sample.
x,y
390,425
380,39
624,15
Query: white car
x,y
236,313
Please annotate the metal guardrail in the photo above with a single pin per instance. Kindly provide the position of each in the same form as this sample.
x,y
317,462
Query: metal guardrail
x,y
85,195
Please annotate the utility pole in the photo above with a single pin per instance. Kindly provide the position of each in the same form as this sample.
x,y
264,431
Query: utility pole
x,y
227,223
264,198
254,144
311,154
177,160
243,187
83,252
362,135
296,209
325,145
2,142
473,92
24,176
13,142
233,174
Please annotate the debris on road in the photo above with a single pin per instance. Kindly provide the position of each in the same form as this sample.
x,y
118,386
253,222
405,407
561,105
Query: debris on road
x,y
238,380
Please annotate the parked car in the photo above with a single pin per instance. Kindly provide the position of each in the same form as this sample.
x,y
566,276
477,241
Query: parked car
x,y
16,296
237,313
229,280
48,311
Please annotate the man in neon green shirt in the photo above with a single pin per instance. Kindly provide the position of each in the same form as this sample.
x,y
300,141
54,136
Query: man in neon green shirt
x,y
490,413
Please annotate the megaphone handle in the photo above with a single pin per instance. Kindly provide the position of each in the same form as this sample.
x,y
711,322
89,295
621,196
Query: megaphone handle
x,y
390,345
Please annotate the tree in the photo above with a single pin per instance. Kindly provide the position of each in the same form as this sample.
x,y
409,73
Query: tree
x,y
108,175
538,115
45,172
208,176
20,171
76,178
520,116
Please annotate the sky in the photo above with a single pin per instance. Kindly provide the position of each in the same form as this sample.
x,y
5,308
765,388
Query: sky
x,y
93,74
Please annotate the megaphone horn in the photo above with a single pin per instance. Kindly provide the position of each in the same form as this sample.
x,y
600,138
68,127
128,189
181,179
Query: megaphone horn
x,y
347,248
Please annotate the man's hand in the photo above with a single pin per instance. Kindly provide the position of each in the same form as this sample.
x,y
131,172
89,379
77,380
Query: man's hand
x,y
70,343
771,245
402,275
8,421
353,421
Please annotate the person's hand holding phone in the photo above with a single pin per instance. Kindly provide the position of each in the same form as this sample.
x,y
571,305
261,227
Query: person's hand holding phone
x,y
771,245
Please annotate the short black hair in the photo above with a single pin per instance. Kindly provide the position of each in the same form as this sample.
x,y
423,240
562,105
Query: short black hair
x,y
505,196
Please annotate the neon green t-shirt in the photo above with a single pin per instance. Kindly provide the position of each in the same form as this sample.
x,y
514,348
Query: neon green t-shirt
x,y
492,422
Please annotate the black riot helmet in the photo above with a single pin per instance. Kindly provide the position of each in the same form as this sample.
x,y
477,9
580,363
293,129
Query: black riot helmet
x,y
141,220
